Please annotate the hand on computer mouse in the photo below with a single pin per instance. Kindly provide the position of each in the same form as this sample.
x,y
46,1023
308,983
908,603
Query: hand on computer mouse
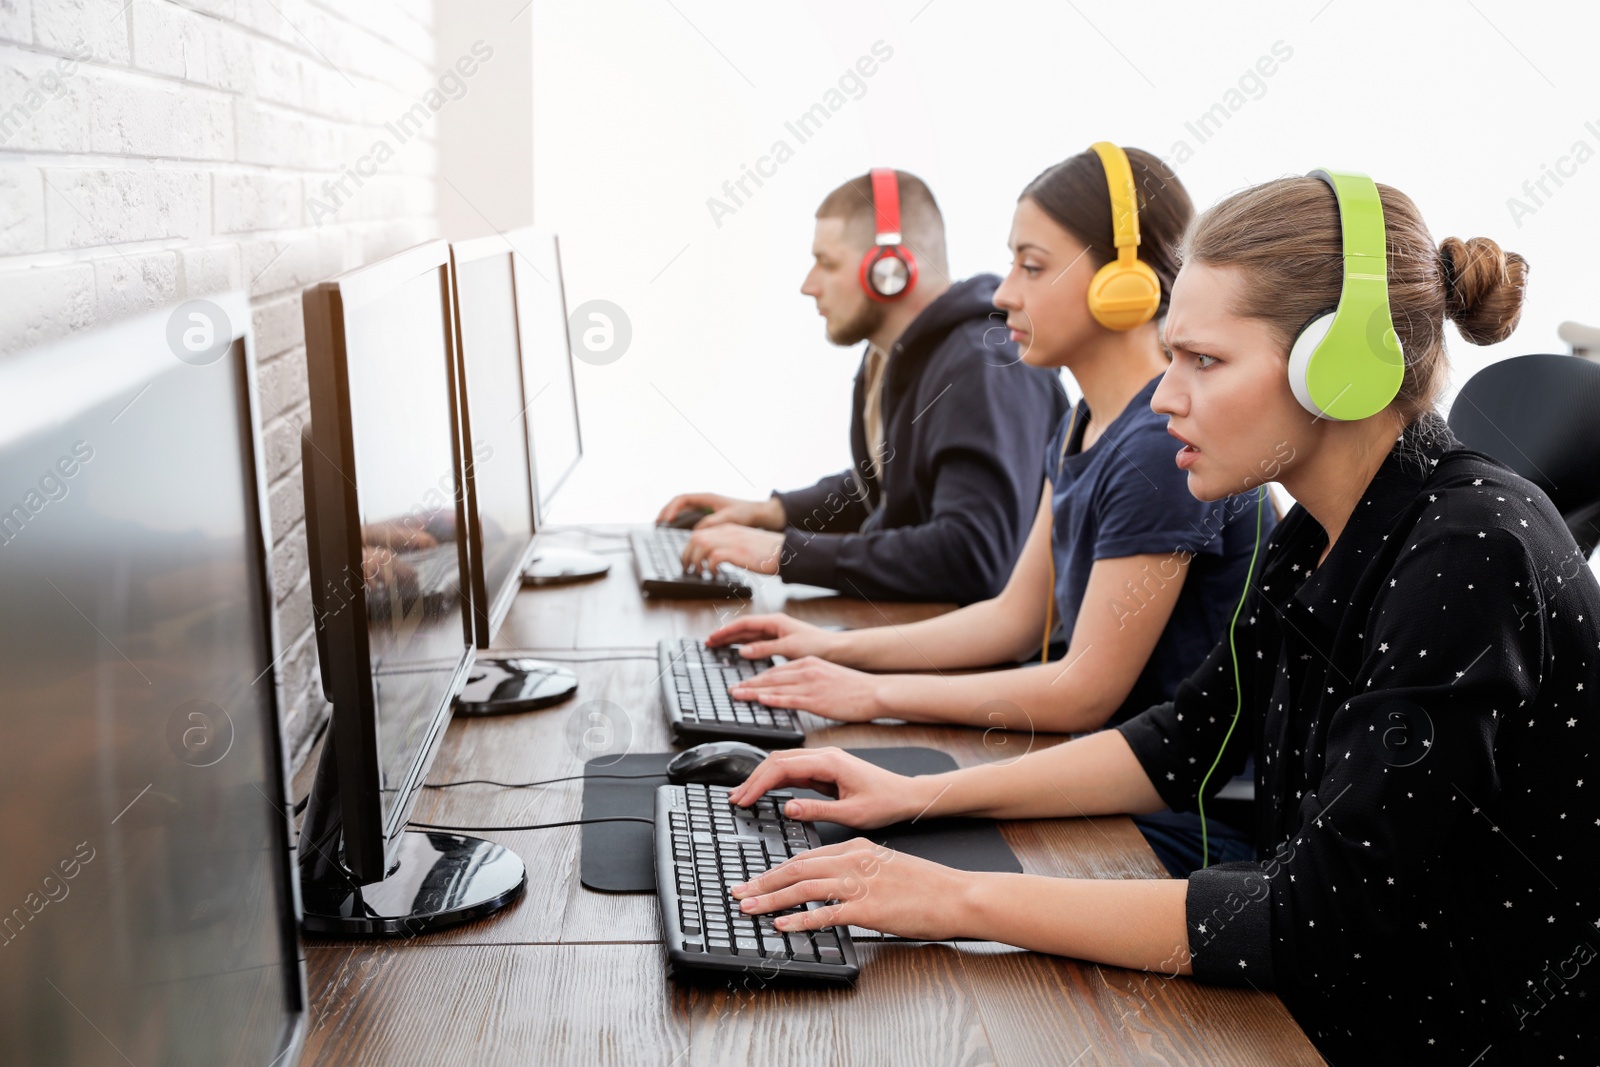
x,y
759,514
817,686
688,518
866,795
754,550
762,636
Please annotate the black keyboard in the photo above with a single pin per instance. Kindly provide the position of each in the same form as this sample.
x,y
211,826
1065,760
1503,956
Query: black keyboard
x,y
704,847
658,553
694,690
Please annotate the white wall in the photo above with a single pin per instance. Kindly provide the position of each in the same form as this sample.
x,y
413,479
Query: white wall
x,y
486,141
152,151
644,109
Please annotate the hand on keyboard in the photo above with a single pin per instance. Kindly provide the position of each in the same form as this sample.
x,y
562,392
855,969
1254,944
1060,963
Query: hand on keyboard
x,y
754,550
872,886
695,681
867,796
817,686
704,846
779,635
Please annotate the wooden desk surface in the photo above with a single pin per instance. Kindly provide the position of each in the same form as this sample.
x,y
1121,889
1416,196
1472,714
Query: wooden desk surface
x,y
567,975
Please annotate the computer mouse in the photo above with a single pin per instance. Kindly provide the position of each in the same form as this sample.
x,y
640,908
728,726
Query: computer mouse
x,y
686,519
715,763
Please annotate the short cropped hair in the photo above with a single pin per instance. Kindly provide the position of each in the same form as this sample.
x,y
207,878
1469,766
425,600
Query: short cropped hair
x,y
921,224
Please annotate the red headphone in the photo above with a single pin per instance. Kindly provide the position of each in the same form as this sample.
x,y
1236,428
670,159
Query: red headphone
x,y
888,270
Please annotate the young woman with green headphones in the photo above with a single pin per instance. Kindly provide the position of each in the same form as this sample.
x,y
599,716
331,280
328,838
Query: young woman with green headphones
x,y
1412,666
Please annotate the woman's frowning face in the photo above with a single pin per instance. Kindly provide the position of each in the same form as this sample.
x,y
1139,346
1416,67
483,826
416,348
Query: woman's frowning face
x,y
1236,423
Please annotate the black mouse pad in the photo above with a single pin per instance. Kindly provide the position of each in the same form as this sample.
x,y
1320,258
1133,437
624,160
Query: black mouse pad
x,y
619,857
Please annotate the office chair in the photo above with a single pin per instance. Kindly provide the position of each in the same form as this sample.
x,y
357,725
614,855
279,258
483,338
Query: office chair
x,y
1537,415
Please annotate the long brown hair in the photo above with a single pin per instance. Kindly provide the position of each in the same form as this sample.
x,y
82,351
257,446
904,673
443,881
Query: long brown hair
x,y
1284,235
1074,194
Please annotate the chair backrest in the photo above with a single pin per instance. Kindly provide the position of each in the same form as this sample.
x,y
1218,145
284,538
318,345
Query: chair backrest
x,y
1540,416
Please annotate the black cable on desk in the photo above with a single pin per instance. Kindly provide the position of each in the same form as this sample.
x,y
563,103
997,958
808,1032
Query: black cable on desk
x,y
528,785
300,805
521,654
530,826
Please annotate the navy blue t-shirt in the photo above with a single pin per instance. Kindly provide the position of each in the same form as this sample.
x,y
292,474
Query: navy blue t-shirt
x,y
1127,497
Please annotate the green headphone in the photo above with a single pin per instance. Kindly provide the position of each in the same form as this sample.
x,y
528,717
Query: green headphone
x,y
1346,363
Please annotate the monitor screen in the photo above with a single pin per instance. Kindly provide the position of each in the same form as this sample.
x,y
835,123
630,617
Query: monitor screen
x,y
547,363
402,436
497,448
149,911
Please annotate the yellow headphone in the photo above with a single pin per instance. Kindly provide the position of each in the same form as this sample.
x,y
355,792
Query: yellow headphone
x,y
1122,294
1125,292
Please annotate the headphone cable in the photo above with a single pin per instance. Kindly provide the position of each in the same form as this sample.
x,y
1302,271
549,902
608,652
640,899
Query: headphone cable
x,y
1238,690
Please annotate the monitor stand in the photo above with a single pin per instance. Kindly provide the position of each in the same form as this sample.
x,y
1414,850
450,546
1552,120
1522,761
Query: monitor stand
x,y
558,566
514,683
439,879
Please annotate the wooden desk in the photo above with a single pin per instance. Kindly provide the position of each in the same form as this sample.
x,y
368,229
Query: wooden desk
x,y
567,975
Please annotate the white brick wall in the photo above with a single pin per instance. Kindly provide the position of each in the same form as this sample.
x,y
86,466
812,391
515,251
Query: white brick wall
x,y
152,151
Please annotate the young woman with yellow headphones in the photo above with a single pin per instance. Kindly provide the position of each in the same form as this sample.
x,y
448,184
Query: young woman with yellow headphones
x,y
1138,575
1412,666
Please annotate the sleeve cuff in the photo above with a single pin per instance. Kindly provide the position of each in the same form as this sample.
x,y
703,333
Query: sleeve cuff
x,y
800,502
1184,539
1229,917
809,558
1150,735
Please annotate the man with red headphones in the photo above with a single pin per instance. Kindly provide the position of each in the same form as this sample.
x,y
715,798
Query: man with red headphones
x,y
946,427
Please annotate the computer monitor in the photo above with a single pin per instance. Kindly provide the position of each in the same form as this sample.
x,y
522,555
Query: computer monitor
x,y
553,403
385,525
147,881
552,397
492,325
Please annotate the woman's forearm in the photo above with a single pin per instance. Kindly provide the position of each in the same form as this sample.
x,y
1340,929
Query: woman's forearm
x,y
1025,699
978,635
1094,775
1123,922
